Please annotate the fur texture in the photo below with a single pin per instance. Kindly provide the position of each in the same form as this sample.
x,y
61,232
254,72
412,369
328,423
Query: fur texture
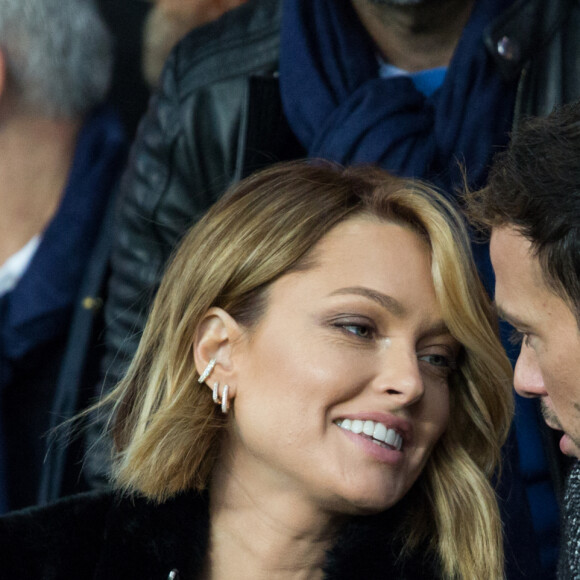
x,y
101,536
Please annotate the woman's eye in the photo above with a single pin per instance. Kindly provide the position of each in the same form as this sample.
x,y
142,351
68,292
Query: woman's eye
x,y
437,360
360,330
440,362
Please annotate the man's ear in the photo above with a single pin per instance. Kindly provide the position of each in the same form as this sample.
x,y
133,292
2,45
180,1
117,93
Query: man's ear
x,y
215,338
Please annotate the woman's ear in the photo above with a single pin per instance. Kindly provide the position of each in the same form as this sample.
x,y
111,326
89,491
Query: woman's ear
x,y
215,339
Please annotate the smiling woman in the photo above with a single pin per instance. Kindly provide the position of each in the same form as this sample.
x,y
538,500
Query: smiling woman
x,y
336,318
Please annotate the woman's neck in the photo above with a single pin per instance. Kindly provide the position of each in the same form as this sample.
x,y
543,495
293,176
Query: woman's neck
x,y
261,533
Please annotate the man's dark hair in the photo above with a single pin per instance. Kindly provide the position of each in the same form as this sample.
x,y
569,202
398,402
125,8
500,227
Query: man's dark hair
x,y
534,186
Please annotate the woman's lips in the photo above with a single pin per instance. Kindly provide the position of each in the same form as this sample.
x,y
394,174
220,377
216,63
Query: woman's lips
x,y
374,430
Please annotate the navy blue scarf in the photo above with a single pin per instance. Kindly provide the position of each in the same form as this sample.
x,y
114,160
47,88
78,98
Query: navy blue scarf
x,y
340,110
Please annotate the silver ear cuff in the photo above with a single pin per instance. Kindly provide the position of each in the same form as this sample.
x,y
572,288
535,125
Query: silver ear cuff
x,y
207,371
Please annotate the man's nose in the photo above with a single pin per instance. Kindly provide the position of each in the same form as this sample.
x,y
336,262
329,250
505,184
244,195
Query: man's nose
x,y
528,380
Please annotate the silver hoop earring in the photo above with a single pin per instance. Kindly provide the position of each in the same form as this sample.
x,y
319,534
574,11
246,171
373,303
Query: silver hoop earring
x,y
215,394
225,402
207,371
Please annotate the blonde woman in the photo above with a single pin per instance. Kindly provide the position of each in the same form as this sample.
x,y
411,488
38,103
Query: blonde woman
x,y
319,393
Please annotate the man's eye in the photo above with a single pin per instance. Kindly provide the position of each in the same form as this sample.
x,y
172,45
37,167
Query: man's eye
x,y
516,337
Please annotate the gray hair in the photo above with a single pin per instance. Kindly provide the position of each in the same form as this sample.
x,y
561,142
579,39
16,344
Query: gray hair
x,y
58,55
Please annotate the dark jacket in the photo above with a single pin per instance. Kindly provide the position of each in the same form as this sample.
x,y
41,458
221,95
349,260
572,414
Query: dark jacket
x,y
102,537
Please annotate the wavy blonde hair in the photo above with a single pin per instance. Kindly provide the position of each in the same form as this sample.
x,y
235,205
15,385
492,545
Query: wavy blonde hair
x,y
166,428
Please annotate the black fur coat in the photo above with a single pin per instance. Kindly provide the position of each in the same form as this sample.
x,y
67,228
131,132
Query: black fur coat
x,y
102,537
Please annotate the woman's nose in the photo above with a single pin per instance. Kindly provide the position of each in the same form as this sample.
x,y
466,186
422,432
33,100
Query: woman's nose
x,y
400,376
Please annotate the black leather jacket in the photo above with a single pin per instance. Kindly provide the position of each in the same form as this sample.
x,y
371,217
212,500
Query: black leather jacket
x,y
190,146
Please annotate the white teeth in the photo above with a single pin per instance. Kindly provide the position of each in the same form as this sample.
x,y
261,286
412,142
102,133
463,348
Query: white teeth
x,y
377,431
368,428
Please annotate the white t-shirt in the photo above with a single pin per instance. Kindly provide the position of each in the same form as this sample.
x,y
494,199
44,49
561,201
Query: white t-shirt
x,y
425,81
14,267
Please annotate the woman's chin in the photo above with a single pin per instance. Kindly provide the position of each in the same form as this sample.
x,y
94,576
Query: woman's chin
x,y
364,502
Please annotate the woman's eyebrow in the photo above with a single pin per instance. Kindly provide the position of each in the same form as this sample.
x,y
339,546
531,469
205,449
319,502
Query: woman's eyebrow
x,y
388,302
392,305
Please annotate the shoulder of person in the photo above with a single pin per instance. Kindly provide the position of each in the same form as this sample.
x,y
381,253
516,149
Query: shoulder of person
x,y
54,540
243,41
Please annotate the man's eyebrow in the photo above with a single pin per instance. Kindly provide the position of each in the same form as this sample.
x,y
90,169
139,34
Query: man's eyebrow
x,y
511,318
388,302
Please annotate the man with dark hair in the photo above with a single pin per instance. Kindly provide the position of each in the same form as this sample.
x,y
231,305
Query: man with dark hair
x,y
532,207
